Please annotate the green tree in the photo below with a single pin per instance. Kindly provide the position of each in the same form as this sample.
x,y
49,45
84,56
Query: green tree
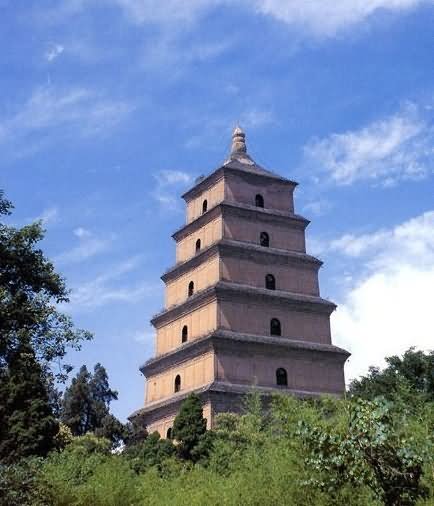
x,y
189,429
30,291
371,450
412,374
150,452
134,433
27,423
86,405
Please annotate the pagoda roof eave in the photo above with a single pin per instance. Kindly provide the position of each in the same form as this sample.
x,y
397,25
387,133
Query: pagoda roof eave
x,y
204,343
230,244
222,288
254,170
296,219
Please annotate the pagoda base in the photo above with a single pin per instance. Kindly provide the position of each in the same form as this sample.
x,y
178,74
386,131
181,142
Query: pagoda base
x,y
217,397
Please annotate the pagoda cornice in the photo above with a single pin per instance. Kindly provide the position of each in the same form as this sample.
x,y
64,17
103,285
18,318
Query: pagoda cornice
x,y
205,392
253,172
231,247
243,210
224,290
221,337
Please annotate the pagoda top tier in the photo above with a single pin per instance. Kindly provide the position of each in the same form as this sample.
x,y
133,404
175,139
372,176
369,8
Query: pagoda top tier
x,y
239,160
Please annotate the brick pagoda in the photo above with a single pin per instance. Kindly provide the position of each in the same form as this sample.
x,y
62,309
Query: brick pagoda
x,y
242,306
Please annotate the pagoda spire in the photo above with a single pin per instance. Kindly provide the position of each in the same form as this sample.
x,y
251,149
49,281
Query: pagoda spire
x,y
238,142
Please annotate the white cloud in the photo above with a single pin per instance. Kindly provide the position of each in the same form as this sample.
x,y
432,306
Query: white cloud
x,y
48,216
320,18
166,192
399,147
88,247
389,306
327,17
58,112
318,207
107,288
170,177
53,52
256,118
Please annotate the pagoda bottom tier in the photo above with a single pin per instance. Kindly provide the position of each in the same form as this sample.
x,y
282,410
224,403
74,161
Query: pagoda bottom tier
x,y
224,366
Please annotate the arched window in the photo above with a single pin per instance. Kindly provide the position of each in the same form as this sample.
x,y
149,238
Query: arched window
x,y
270,282
264,239
197,245
281,377
204,206
190,288
275,329
177,383
184,337
259,200
169,433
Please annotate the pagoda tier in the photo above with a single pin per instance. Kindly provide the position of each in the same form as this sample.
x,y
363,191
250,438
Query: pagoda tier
x,y
243,306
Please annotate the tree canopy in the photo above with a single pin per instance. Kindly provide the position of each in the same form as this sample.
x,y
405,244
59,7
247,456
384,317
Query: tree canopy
x,y
30,291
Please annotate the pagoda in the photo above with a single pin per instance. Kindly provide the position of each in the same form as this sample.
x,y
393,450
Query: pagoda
x,y
242,308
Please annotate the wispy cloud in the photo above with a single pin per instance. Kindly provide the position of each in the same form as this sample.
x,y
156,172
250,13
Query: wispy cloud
x,y
58,112
318,207
48,216
399,147
88,246
387,306
169,183
325,18
320,18
53,52
111,286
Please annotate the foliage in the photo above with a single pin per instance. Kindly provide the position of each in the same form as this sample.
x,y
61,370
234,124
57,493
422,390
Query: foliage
x,y
30,291
34,334
19,483
152,452
402,378
371,451
86,405
134,433
27,423
189,429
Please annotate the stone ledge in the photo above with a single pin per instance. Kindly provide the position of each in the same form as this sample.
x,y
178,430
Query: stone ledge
x,y
203,344
232,246
224,290
256,172
248,210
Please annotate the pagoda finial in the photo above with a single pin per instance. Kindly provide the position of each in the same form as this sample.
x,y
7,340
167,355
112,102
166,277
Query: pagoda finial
x,y
238,142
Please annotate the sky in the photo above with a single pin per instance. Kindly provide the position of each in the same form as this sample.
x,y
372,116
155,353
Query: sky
x,y
111,108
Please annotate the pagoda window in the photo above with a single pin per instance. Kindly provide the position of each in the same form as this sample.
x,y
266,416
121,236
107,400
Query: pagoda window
x,y
264,239
169,433
177,383
204,206
197,245
259,200
281,377
184,337
270,282
275,328
190,288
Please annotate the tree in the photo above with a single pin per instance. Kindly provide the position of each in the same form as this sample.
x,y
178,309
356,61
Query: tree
x,y
371,450
30,291
414,373
189,429
134,433
86,405
27,423
150,452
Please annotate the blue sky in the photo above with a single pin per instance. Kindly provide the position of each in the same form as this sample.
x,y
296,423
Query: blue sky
x,y
110,108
